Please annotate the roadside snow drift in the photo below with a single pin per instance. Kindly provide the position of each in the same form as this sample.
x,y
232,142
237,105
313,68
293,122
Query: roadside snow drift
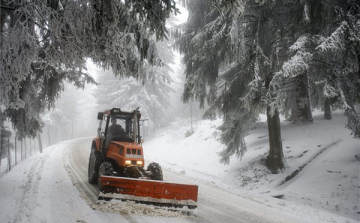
x,y
329,157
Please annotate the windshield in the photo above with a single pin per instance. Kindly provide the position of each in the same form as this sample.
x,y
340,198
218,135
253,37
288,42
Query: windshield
x,y
120,128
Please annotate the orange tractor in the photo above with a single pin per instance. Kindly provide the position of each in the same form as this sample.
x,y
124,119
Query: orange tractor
x,y
117,164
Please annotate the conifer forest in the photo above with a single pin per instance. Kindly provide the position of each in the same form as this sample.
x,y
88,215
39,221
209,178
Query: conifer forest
x,y
241,58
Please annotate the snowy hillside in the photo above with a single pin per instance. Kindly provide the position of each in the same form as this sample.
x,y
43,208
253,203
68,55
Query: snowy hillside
x,y
329,181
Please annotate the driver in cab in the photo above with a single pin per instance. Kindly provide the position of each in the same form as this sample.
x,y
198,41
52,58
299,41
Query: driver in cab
x,y
115,130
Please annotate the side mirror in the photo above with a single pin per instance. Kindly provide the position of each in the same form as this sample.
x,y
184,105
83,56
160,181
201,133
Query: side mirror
x,y
100,116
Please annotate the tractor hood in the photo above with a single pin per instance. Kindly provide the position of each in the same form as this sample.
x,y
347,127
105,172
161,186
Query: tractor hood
x,y
127,144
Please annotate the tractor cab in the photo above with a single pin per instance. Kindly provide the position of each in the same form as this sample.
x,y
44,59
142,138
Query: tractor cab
x,y
117,125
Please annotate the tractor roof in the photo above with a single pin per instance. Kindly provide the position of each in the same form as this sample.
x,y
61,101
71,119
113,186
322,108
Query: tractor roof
x,y
118,111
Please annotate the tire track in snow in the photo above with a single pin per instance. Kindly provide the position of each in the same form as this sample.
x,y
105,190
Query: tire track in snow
x,y
31,188
90,194
74,163
294,174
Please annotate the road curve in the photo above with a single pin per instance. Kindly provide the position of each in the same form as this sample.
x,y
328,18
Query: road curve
x,y
214,204
75,159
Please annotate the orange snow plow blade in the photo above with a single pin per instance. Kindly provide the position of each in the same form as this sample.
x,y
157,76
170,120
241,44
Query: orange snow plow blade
x,y
148,191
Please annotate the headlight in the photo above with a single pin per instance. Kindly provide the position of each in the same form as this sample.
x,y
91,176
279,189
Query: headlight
x,y
139,163
127,162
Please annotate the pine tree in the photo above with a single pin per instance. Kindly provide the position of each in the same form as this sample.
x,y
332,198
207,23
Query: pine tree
x,y
328,49
343,46
245,83
46,43
202,45
151,95
270,52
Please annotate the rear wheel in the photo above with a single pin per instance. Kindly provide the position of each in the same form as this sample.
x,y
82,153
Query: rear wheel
x,y
155,171
93,168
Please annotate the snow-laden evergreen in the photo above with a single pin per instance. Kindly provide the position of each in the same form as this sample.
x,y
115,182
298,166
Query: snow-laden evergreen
x,y
44,44
270,58
151,95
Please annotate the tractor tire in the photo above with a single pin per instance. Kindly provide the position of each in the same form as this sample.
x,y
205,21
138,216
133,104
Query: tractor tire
x,y
106,169
133,172
93,168
155,171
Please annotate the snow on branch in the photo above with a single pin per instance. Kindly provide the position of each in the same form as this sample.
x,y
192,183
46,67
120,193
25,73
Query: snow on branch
x,y
336,41
329,91
299,44
297,64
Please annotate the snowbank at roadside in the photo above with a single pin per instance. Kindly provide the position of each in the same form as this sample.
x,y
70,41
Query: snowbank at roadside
x,y
39,190
330,157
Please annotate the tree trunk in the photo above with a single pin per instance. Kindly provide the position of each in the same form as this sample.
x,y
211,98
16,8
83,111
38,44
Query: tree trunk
x,y
9,155
40,143
56,136
327,109
275,159
15,151
302,112
154,105
49,143
1,144
191,117
30,146
21,150
25,148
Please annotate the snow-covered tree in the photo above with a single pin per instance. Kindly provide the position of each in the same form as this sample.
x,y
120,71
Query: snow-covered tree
x,y
57,126
261,54
67,122
203,42
343,47
328,51
151,94
45,43
217,39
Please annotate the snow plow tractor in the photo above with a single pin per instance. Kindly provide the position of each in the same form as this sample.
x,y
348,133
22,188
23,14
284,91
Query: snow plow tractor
x,y
117,165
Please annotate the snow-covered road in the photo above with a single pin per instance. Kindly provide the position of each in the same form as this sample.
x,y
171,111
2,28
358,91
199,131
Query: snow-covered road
x,y
39,189
53,187
215,205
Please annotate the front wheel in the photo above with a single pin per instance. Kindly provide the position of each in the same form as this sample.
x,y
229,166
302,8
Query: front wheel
x,y
155,171
105,169
93,168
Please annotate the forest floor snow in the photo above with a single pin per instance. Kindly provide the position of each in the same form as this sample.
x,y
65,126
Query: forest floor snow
x,y
326,153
